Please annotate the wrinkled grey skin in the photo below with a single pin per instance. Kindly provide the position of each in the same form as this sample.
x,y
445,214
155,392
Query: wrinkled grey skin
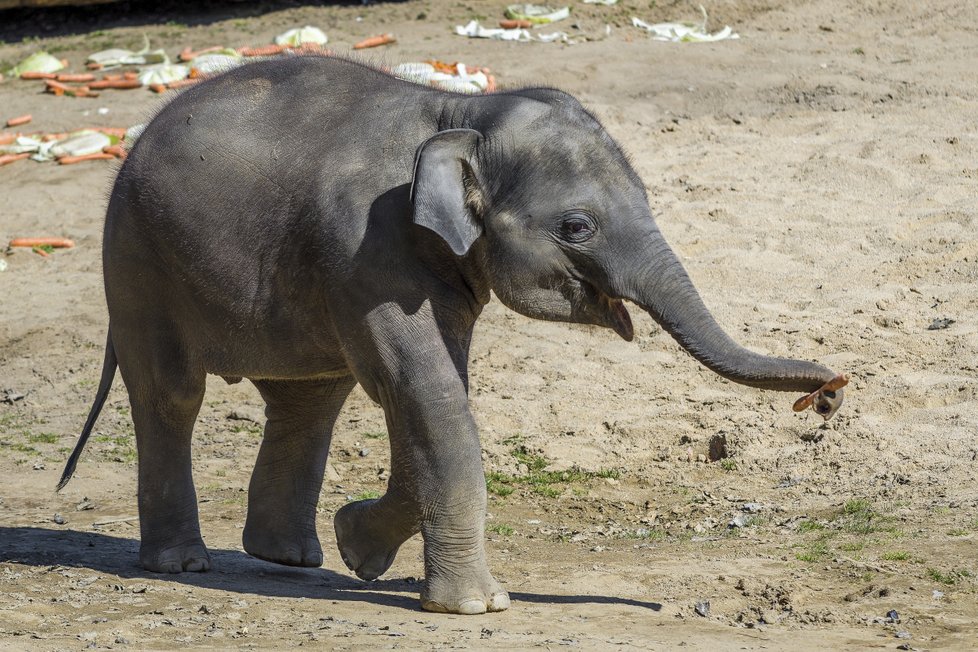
x,y
310,224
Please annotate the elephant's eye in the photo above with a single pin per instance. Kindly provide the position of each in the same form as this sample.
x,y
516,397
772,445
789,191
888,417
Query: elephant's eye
x,y
576,228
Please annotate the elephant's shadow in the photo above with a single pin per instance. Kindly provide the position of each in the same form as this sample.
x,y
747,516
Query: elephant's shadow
x,y
234,571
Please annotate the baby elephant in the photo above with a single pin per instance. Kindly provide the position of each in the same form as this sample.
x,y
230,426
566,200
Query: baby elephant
x,y
311,223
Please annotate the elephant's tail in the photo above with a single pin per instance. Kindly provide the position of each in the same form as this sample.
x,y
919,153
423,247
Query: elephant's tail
x,y
108,374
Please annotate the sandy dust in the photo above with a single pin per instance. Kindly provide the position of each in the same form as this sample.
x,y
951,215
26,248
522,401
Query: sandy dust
x,y
818,177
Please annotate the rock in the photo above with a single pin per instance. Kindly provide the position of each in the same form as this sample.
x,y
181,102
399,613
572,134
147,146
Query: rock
x,y
892,616
332,474
244,414
740,520
903,634
364,452
702,608
84,505
59,519
769,617
701,458
38,466
718,448
940,324
9,396
121,640
751,508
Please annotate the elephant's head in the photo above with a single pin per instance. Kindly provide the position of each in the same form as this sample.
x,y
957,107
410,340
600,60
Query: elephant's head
x,y
568,233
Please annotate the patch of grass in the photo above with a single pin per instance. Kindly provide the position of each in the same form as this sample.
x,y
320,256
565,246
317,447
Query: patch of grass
x,y
728,464
365,495
817,550
42,438
644,534
499,484
859,517
852,546
22,448
501,529
896,555
958,532
376,435
810,526
537,478
248,427
950,578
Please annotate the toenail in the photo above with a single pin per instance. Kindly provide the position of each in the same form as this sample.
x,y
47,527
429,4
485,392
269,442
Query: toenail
x,y
499,602
469,607
436,607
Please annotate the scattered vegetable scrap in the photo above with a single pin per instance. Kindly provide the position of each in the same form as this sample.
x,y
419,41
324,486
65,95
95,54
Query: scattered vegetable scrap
x,y
19,120
54,243
7,159
455,77
375,41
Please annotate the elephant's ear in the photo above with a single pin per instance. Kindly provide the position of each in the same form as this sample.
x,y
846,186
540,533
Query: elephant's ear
x,y
445,193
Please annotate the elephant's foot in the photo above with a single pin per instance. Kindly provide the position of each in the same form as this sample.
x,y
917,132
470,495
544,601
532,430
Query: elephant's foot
x,y
191,555
297,548
466,595
367,542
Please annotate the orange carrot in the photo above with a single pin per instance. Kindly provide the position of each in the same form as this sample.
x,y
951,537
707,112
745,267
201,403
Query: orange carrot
x,y
98,156
130,74
83,77
19,120
40,252
116,83
157,88
490,83
92,65
112,77
7,159
64,63
6,139
117,151
181,83
515,24
32,74
263,51
188,54
49,137
375,41
55,87
56,243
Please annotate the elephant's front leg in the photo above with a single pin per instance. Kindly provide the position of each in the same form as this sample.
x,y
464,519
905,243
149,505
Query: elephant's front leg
x,y
437,485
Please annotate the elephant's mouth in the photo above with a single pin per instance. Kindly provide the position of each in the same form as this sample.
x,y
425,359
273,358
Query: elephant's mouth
x,y
609,311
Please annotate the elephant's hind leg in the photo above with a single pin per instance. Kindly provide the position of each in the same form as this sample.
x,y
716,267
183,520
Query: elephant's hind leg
x,y
288,476
165,392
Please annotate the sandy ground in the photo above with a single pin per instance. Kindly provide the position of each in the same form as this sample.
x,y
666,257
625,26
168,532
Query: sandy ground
x,y
818,177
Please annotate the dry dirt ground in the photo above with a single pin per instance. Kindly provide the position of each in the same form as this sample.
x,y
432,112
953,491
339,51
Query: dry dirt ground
x,y
818,177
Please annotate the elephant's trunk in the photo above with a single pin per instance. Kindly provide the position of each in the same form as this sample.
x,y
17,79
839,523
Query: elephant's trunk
x,y
664,290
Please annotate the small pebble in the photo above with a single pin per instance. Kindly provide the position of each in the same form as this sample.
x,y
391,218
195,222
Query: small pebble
x,y
751,508
121,640
38,466
703,608
364,452
740,520
893,616
59,519
903,634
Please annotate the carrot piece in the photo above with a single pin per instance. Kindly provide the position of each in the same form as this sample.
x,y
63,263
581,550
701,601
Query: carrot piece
x,y
56,243
112,77
375,41
6,139
91,65
157,88
55,87
32,74
47,138
490,83
116,83
130,74
263,51
82,77
117,151
515,24
19,120
181,83
98,156
833,385
40,252
7,159
188,54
